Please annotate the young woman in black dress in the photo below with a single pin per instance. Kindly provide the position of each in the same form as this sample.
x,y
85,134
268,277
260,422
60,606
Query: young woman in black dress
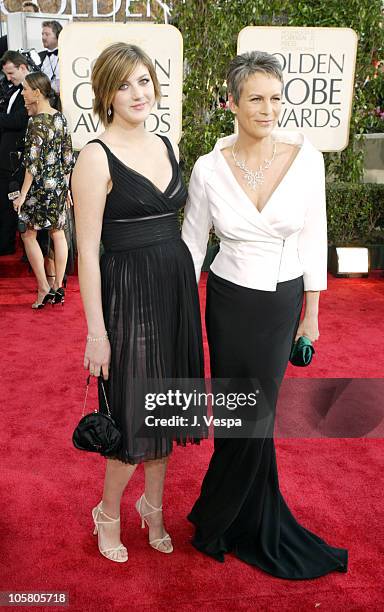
x,y
263,190
140,300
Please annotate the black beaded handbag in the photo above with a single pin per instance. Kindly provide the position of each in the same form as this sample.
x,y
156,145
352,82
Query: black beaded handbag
x,y
97,432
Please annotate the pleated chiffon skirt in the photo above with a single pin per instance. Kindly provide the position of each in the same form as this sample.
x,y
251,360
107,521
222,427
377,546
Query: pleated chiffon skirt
x,y
240,508
152,315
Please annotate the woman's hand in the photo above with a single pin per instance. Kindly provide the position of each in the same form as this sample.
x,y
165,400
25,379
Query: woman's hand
x,y
97,357
17,204
309,327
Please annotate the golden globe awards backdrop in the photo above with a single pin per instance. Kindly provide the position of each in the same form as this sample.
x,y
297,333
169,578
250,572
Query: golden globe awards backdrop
x,y
118,10
319,71
79,46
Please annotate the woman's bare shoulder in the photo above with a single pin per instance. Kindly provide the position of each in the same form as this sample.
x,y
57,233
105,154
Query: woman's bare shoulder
x,y
92,164
92,152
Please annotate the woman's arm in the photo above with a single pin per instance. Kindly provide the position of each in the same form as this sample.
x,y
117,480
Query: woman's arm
x,y
312,248
90,181
28,180
34,139
309,325
197,219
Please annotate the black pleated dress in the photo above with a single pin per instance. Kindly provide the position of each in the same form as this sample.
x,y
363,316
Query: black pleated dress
x,y
149,296
240,508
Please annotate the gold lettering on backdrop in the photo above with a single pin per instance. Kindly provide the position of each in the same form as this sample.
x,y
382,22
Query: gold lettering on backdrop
x,y
81,43
128,9
121,10
313,90
74,9
318,71
82,97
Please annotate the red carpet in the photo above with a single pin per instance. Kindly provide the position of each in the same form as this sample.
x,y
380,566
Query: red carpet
x,y
48,488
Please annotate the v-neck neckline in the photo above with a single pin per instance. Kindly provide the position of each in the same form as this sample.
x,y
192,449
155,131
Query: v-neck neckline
x,y
260,212
143,175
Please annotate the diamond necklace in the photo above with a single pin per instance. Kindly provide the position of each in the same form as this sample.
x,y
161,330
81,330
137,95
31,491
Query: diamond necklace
x,y
254,178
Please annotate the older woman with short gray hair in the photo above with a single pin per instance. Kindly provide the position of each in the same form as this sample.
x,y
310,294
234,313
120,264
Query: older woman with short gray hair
x,y
263,191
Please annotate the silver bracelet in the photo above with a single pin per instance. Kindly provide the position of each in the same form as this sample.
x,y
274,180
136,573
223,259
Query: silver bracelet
x,y
97,338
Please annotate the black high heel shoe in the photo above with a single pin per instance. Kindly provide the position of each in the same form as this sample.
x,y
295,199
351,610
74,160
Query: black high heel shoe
x,y
59,296
49,298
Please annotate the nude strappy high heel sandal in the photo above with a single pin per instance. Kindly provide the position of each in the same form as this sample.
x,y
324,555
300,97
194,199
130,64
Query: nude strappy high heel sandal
x,y
157,541
107,552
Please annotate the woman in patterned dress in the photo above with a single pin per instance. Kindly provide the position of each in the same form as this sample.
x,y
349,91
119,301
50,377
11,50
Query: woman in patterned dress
x,y
44,194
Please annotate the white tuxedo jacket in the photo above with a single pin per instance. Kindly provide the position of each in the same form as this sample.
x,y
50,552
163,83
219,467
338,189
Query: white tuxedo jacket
x,y
287,239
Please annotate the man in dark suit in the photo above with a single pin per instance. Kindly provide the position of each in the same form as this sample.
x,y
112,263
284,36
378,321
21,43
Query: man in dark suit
x,y
13,125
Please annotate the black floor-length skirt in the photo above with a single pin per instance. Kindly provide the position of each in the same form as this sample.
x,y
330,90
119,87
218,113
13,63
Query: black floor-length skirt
x,y
240,508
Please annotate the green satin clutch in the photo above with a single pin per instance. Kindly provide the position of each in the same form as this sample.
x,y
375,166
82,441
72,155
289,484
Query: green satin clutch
x,y
302,352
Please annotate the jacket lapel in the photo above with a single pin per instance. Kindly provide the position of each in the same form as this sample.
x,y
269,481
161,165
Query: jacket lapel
x,y
222,181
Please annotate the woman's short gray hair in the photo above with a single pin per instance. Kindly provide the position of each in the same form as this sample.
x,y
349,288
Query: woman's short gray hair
x,y
245,65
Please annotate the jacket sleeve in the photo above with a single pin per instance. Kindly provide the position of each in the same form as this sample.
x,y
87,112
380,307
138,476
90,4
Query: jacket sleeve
x,y
197,219
313,244
16,120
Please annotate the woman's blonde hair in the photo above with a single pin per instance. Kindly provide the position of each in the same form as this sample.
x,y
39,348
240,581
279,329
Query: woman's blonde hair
x,y
111,69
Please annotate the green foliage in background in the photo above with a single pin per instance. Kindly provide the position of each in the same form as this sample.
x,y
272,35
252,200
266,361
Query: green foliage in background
x,y
210,29
355,213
